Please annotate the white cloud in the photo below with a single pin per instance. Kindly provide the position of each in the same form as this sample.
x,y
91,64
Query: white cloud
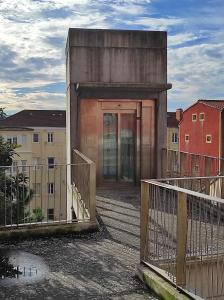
x,y
155,23
196,73
33,36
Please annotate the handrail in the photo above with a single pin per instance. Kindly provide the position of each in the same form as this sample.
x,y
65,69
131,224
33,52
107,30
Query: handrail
x,y
84,178
186,191
188,178
182,233
197,154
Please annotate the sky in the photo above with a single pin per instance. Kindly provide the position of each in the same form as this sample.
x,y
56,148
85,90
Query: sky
x,y
33,37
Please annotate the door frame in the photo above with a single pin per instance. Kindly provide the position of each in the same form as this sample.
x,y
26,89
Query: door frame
x,y
119,108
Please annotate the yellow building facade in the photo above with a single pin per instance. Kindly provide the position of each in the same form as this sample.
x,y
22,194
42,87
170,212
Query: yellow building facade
x,y
172,132
41,156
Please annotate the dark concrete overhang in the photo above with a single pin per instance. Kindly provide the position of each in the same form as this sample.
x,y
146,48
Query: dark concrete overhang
x,y
149,87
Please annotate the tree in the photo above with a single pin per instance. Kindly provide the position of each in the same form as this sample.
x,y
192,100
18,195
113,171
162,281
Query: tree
x,y
3,115
15,193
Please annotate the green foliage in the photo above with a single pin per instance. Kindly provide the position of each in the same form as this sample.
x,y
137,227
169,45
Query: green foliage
x,y
15,193
35,216
7,151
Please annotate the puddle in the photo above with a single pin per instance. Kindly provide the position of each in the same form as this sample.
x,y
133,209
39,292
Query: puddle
x,y
19,267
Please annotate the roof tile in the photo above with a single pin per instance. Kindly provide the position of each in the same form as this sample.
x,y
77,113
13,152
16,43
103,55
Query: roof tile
x,y
36,118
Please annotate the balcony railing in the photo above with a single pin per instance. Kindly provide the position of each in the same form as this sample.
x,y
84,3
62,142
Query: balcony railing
x,y
184,164
42,195
182,234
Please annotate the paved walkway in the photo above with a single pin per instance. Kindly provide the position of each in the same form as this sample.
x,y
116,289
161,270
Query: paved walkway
x,y
98,266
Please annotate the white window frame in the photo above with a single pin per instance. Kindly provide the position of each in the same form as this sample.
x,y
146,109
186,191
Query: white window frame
x,y
187,138
50,137
52,214
36,134
12,140
192,117
36,190
24,140
175,137
36,163
23,166
206,138
50,165
50,188
14,166
202,114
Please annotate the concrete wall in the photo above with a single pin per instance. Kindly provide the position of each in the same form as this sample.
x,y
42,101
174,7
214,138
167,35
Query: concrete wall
x,y
117,56
123,61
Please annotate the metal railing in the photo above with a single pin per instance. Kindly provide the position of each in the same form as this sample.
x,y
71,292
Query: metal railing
x,y
182,236
184,164
38,195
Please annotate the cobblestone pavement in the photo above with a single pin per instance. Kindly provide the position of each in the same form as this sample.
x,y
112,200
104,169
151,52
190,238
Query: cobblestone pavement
x,y
100,265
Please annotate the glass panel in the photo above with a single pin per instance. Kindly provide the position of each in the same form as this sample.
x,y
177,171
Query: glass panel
x,y
110,146
127,147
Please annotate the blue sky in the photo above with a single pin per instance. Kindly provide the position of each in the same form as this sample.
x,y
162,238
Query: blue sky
x,y
33,36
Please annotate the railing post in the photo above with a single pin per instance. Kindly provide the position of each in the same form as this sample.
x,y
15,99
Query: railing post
x,y
144,220
164,163
182,225
92,191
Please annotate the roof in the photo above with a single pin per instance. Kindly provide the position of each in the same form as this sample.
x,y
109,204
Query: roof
x,y
36,118
217,104
171,119
13,128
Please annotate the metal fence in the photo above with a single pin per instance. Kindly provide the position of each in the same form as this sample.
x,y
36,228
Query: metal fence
x,y
182,234
184,164
38,195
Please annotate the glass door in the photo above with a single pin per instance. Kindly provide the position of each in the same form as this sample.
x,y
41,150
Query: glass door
x,y
127,146
119,136
110,146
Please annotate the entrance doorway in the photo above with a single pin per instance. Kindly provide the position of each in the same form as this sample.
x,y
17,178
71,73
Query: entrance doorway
x,y
119,146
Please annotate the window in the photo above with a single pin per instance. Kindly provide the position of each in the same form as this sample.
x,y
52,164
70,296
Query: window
x,y
194,117
35,137
36,163
24,140
50,162
23,165
196,168
14,166
12,140
36,188
50,214
201,116
208,138
50,188
174,137
187,138
50,137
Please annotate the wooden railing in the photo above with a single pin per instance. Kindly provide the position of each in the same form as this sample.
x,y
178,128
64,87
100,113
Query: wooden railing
x,y
84,180
184,164
182,236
